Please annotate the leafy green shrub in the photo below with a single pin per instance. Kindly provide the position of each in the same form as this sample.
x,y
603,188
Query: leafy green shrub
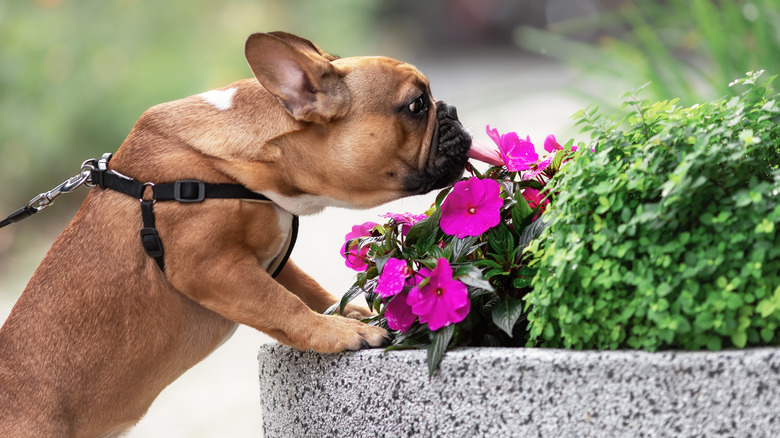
x,y
665,236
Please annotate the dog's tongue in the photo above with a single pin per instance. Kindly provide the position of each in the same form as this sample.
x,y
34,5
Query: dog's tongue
x,y
485,153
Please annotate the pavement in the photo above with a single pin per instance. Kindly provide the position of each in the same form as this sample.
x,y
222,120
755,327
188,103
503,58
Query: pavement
x,y
219,397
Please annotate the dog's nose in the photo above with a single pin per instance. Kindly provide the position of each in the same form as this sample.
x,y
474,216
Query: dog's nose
x,y
452,112
448,110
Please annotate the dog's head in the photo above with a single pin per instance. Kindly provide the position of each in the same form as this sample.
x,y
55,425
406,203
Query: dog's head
x,y
366,130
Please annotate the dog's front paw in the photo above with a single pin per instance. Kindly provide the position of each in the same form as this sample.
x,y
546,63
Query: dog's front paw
x,y
356,311
335,334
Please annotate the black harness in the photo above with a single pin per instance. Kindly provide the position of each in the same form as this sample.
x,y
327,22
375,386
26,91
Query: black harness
x,y
186,191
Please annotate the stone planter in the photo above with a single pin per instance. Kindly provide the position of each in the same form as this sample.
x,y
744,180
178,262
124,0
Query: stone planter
x,y
497,392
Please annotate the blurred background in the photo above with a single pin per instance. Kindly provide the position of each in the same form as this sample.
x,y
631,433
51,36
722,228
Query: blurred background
x,y
75,75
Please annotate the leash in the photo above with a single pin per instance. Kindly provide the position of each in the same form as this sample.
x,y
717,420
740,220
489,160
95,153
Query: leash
x,y
45,199
95,174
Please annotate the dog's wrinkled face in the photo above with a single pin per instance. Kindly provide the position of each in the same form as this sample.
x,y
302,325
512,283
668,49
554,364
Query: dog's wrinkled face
x,y
446,155
370,129
396,140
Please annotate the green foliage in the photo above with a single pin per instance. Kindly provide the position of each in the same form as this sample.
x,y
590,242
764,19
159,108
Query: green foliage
x,y
665,236
686,48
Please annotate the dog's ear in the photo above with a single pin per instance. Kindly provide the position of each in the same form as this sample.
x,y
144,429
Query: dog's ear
x,y
299,75
302,44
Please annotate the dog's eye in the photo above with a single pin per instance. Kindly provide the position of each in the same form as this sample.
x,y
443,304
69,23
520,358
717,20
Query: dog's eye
x,y
418,106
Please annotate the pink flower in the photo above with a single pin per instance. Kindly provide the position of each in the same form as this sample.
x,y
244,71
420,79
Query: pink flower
x,y
352,258
395,275
534,198
551,144
406,220
485,153
517,154
472,208
538,169
399,314
441,302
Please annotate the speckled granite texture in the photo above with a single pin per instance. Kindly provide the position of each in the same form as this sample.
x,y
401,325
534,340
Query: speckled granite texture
x,y
493,392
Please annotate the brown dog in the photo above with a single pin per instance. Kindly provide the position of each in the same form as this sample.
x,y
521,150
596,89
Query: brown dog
x,y
101,329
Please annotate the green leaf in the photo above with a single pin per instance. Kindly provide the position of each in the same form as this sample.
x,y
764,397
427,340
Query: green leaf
x,y
521,211
532,231
506,313
351,294
476,281
442,195
739,339
461,247
501,240
522,282
440,340
427,228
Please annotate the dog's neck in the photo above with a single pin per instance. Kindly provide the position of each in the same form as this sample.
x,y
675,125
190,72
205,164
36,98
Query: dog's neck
x,y
229,125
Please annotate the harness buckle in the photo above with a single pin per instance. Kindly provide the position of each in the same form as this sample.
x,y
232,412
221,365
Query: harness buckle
x,y
185,190
151,242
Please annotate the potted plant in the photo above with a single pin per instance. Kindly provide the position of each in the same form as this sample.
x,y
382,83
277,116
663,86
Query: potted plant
x,y
660,233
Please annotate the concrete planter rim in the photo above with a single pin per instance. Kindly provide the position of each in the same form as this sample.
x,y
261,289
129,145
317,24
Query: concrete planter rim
x,y
493,391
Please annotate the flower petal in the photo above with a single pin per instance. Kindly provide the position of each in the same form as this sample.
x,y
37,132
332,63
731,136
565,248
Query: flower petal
x,y
352,258
551,144
399,314
518,154
471,208
421,301
494,135
437,318
392,279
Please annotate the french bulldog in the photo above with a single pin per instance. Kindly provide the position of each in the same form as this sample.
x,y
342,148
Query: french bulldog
x,y
101,328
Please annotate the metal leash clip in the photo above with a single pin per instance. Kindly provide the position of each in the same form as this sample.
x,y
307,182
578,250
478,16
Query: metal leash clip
x,y
45,199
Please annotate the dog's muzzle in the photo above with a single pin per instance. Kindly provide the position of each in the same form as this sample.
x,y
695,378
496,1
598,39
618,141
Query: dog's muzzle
x,y
447,156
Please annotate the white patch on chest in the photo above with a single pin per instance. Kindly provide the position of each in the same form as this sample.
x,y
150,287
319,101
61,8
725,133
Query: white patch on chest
x,y
219,99
302,205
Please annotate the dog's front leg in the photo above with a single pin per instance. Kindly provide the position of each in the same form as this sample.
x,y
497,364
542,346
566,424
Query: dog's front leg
x,y
234,285
315,296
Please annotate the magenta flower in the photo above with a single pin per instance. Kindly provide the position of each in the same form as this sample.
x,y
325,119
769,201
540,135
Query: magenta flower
x,y
537,170
399,314
551,144
485,153
441,302
353,258
517,154
406,220
395,275
534,198
472,208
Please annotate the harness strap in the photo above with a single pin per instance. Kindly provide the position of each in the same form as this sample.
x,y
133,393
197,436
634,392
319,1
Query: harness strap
x,y
182,191
149,237
276,266
186,190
